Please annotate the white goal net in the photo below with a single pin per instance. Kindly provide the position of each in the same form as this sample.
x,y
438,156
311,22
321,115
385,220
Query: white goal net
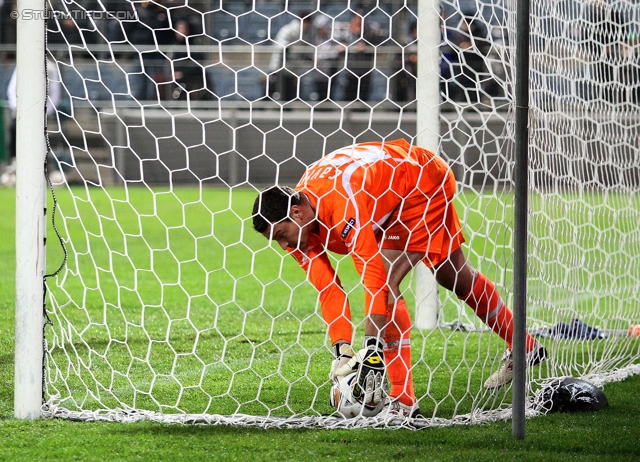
x,y
174,114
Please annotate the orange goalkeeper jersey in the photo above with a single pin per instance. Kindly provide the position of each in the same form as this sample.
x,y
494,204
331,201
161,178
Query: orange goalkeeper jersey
x,y
371,196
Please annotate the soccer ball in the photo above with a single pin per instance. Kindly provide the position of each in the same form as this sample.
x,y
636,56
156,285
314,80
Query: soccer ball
x,y
571,395
343,401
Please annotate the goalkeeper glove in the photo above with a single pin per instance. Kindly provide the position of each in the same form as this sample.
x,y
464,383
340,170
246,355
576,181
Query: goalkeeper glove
x,y
369,363
342,352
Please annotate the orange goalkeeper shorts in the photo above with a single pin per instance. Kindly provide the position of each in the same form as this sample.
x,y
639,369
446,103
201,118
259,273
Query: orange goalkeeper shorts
x,y
426,220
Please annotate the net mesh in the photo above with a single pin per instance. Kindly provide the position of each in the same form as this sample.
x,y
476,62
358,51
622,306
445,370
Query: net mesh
x,y
171,117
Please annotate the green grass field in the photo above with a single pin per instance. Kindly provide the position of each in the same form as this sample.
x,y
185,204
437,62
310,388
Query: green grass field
x,y
172,303
167,297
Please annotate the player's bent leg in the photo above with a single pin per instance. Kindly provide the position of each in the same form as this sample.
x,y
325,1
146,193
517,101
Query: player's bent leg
x,y
397,353
397,335
504,374
489,306
398,263
455,274
480,293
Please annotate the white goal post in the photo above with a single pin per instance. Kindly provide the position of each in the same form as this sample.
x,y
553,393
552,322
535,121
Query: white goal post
x,y
30,213
174,114
428,130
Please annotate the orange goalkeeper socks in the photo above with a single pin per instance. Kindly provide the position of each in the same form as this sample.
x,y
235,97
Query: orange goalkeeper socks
x,y
488,305
397,353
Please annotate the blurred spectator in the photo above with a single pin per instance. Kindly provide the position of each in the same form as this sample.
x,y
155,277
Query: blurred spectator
x,y
188,73
7,23
8,177
496,63
63,31
449,62
473,46
151,31
326,58
607,30
287,63
190,14
631,73
356,43
74,29
405,80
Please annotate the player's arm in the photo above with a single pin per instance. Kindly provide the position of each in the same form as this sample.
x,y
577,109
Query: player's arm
x,y
333,302
333,299
365,251
359,237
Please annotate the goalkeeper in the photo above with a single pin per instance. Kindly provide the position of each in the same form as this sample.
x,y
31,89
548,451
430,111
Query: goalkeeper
x,y
389,205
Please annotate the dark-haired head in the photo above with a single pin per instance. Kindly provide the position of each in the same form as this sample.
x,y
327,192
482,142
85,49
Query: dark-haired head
x,y
272,206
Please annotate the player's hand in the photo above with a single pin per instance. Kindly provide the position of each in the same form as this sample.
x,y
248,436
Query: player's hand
x,y
369,363
342,352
